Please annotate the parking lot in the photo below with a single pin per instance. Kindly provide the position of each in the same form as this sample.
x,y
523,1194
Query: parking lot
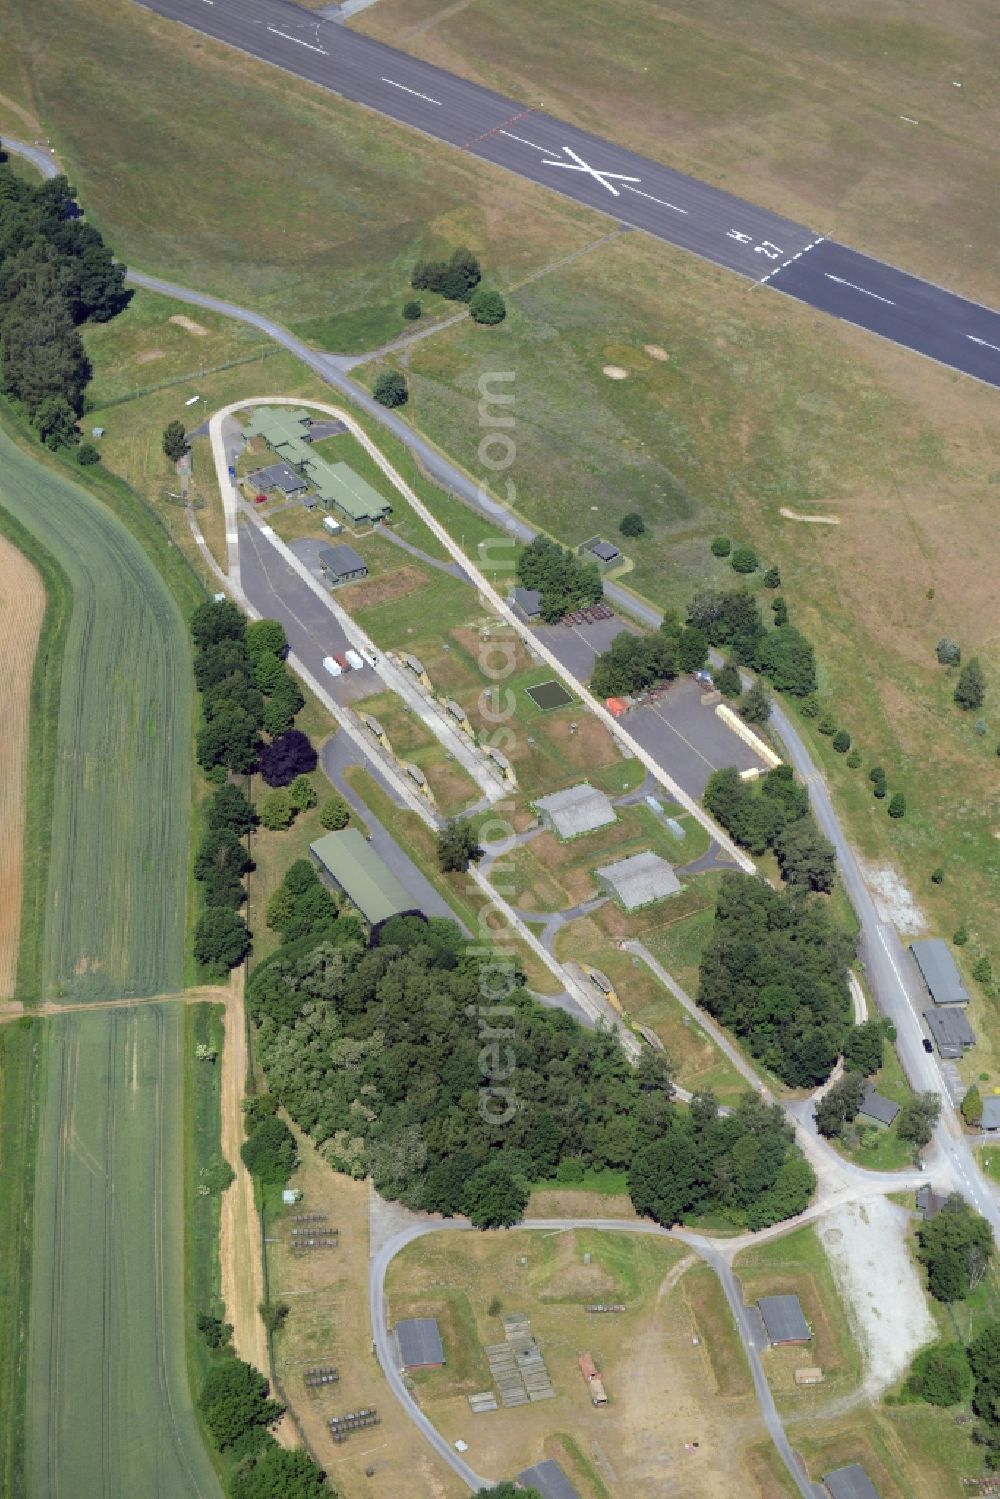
x,y
684,735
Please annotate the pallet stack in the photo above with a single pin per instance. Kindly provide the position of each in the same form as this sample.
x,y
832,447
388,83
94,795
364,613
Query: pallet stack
x,y
517,1366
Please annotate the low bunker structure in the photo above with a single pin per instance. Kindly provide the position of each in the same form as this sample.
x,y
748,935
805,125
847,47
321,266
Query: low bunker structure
x,y
576,811
638,881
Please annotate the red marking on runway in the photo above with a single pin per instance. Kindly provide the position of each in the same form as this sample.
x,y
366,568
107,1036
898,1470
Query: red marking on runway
x,y
496,128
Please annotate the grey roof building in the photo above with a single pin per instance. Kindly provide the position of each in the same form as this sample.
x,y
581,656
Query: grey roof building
x,y
939,972
603,552
851,1482
419,1342
527,602
549,1479
784,1321
278,476
929,1202
577,810
991,1113
951,1030
342,563
638,881
876,1106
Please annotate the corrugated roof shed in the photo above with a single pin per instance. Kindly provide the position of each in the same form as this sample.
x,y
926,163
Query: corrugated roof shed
x,y
578,809
951,1030
279,425
342,561
364,878
991,1113
640,880
420,1343
875,1105
338,484
939,972
549,1479
784,1321
851,1482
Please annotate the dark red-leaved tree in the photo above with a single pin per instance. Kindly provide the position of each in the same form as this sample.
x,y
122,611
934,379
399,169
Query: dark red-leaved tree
x,y
286,757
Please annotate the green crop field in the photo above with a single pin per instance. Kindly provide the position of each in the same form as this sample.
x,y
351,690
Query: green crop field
x,y
110,1411
115,905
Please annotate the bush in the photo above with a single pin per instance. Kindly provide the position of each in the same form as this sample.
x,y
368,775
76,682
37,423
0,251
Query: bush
x,y
937,876
277,810
492,1198
234,1401
457,846
772,578
842,741
853,760
269,1152
266,637
221,940
215,1332
982,969
960,937
970,689
897,805
827,725
174,441
727,680
87,455
948,652
972,1106
302,793
288,756
570,1170
744,560
780,611
334,814
809,707
412,310
756,705
876,774
940,1375
390,389
721,546
632,524
487,307
787,658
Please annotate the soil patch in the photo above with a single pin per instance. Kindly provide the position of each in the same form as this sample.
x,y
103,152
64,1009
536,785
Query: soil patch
x,y
241,1268
655,352
893,899
812,520
22,608
615,372
189,325
383,590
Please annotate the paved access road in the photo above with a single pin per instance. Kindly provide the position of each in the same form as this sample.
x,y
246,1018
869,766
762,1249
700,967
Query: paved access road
x,y
644,194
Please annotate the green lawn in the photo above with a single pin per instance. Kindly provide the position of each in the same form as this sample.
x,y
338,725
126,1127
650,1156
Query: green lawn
x,y
110,1409
21,1066
203,1025
121,784
873,1145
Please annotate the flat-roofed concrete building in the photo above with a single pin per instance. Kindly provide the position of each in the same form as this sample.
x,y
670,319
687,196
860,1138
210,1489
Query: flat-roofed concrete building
x,y
353,865
939,972
342,564
638,881
420,1345
951,1030
575,811
784,1320
851,1482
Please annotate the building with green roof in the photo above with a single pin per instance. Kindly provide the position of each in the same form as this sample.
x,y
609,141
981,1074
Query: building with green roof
x,y
355,868
286,432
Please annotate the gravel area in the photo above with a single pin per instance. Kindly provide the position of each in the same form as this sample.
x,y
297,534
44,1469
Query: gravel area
x,y
893,899
879,1285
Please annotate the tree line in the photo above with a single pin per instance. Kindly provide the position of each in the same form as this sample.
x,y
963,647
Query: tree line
x,y
563,580
56,273
773,813
378,1055
774,972
633,662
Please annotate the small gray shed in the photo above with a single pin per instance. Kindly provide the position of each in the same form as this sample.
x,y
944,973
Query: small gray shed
x,y
527,602
419,1342
939,972
991,1113
342,564
784,1320
876,1106
851,1482
951,1030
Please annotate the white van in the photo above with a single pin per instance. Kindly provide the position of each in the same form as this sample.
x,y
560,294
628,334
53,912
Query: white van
x,y
333,667
331,525
354,661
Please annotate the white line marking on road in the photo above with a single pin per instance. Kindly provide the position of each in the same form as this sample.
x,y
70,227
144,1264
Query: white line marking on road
x,y
426,97
522,142
662,201
296,39
579,165
972,337
862,289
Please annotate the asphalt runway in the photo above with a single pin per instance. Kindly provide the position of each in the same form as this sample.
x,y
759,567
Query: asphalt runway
x,y
519,136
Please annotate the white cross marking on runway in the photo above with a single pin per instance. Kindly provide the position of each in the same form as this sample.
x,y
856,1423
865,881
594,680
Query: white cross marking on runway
x,y
862,289
296,39
426,97
972,337
584,166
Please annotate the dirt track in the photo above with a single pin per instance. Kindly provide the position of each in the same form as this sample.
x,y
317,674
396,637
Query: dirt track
x,y
22,608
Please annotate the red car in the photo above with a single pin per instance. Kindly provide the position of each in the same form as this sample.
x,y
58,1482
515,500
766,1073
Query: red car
x,y
260,499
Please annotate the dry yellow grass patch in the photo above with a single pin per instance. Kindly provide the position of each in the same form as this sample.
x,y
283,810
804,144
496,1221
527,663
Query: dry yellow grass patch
x,y
22,608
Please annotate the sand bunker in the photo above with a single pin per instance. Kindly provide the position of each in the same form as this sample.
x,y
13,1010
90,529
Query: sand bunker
x,y
811,520
655,352
189,325
615,372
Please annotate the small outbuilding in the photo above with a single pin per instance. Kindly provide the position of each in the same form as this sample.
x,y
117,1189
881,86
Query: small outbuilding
x,y
991,1113
939,972
526,603
784,1320
851,1482
929,1202
549,1479
575,811
342,564
638,881
876,1106
951,1030
420,1345
604,553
